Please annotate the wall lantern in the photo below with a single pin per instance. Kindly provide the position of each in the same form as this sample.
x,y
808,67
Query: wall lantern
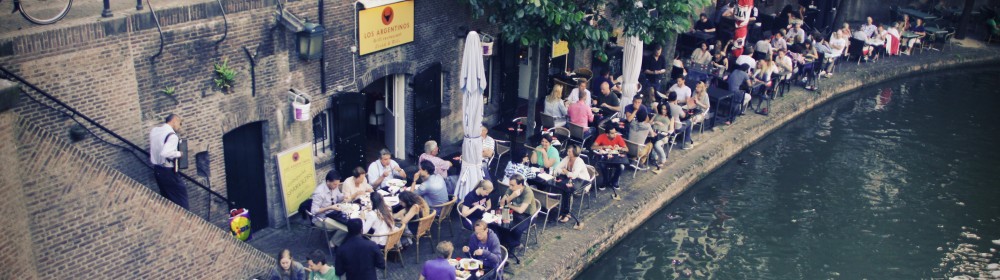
x,y
310,41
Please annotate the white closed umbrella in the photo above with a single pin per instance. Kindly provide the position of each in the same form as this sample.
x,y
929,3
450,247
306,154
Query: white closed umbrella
x,y
631,66
473,83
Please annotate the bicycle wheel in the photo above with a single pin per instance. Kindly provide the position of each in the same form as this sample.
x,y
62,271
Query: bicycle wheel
x,y
43,12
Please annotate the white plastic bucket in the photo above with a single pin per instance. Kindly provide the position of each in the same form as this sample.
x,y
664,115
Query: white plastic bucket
x,y
301,109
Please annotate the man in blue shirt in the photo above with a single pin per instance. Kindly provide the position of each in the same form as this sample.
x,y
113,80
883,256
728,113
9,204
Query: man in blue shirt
x,y
433,188
484,245
736,79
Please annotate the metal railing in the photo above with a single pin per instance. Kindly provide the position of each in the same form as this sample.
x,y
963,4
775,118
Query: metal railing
x,y
4,72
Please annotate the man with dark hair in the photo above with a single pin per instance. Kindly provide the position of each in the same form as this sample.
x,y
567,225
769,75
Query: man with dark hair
x,y
324,207
319,269
610,140
596,82
163,153
704,25
522,202
736,79
433,188
681,120
654,67
358,258
439,268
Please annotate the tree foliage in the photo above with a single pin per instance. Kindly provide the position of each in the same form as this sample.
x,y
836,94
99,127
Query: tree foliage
x,y
586,23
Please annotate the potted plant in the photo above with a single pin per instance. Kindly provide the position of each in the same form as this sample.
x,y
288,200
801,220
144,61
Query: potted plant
x,y
224,75
170,92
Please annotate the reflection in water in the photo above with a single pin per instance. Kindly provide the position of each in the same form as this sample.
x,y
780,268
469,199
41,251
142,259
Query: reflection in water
x,y
896,182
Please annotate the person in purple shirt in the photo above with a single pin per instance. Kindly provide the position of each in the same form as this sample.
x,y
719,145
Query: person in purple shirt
x,y
484,245
439,268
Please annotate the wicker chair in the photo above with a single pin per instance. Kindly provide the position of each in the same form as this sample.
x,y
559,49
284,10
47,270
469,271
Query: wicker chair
x,y
391,244
424,229
549,203
444,215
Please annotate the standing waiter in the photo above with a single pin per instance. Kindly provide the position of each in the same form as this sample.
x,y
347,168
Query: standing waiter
x,y
163,154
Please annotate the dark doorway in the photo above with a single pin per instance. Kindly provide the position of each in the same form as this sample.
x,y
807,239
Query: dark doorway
x,y
349,126
510,61
243,149
427,105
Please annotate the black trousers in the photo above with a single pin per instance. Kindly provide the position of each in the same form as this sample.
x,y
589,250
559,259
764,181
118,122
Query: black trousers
x,y
171,185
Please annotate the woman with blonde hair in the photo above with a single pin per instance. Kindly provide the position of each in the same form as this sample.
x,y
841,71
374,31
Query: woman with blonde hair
x,y
699,102
555,107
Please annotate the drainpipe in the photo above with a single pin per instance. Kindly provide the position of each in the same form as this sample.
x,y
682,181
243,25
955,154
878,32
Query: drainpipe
x,y
158,29
225,22
322,58
107,9
138,5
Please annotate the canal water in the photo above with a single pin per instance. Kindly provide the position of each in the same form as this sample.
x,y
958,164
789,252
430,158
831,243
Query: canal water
x,y
898,181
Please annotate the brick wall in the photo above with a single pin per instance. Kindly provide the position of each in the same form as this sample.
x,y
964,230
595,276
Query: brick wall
x,y
104,69
68,216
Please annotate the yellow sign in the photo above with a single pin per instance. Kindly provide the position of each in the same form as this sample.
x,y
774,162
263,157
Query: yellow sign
x,y
298,176
560,48
384,27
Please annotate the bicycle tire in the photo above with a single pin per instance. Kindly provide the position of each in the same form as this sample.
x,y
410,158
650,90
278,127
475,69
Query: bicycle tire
x,y
38,21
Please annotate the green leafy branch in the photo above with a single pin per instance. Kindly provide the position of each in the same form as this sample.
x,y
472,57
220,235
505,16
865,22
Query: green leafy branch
x,y
224,75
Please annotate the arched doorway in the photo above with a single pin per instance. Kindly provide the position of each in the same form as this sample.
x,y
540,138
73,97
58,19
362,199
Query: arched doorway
x,y
243,149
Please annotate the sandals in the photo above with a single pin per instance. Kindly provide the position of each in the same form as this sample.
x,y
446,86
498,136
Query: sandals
x,y
565,218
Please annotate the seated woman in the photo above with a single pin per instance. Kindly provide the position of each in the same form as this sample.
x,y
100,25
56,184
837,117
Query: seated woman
x,y
555,107
720,64
545,155
411,208
664,126
700,104
920,31
702,55
571,173
379,221
288,268
476,203
762,77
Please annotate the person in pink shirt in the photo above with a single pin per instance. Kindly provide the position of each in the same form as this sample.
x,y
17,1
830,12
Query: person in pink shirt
x,y
580,114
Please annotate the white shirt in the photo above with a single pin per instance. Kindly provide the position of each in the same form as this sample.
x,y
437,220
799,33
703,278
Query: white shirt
x,y
746,59
574,96
161,152
372,221
375,171
683,93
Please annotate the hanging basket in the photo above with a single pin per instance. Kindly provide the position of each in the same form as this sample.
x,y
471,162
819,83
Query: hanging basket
x,y
487,42
301,109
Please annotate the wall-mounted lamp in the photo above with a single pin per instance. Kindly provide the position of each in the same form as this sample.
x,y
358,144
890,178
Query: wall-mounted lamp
x,y
311,41
309,36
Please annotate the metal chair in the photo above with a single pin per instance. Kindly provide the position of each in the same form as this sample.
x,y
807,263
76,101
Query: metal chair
x,y
502,148
423,229
563,135
444,215
503,263
587,188
391,244
577,133
326,232
550,202
633,156
547,121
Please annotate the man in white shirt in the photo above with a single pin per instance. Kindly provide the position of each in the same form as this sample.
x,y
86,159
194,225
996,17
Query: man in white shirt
x,y
325,198
384,169
683,91
356,186
574,95
163,151
747,58
869,28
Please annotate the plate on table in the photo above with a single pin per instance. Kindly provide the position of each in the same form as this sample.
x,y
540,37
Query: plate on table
x,y
535,169
599,152
391,200
383,193
545,176
470,264
462,274
396,182
490,218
